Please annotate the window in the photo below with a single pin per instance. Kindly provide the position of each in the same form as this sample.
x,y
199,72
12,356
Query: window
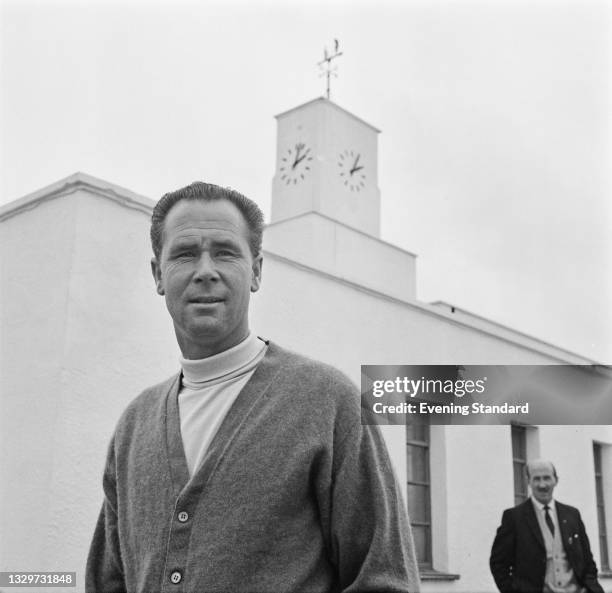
x,y
419,499
519,462
601,511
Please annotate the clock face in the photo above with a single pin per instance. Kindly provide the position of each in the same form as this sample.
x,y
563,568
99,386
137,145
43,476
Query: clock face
x,y
295,164
351,169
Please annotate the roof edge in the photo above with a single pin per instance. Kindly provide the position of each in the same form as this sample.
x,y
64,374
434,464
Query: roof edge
x,y
326,101
344,225
518,339
71,184
441,305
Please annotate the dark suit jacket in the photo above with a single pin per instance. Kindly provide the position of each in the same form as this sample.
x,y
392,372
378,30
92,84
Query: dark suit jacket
x,y
518,556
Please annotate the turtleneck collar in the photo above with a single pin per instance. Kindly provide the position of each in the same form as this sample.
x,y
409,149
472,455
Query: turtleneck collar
x,y
223,366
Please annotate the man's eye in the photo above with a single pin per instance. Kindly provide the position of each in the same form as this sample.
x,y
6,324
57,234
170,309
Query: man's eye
x,y
225,252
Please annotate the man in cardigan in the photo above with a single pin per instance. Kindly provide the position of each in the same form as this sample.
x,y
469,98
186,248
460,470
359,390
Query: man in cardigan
x,y
249,471
541,545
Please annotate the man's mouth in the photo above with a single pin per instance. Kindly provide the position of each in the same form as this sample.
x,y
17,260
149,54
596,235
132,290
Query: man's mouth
x,y
206,300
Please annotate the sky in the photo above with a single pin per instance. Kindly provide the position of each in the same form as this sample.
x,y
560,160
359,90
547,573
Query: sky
x,y
494,156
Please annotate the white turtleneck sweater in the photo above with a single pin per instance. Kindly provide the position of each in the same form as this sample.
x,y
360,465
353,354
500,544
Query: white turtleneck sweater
x,y
208,390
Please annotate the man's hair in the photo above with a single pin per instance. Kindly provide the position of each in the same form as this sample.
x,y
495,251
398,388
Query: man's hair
x,y
554,469
207,192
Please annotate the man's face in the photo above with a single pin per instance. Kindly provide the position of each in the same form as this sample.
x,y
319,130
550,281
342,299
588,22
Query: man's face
x,y
542,481
206,272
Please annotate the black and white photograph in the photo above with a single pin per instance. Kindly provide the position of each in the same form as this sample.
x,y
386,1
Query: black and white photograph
x,y
227,228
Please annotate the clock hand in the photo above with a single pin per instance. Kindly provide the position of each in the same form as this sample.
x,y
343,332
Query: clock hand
x,y
299,159
298,150
355,167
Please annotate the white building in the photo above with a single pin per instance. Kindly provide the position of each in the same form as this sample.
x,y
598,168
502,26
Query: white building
x,y
83,332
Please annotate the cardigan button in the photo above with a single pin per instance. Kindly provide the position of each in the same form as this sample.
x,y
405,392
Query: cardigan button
x,y
176,577
183,516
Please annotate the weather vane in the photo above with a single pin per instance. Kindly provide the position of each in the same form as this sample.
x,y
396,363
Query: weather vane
x,y
325,63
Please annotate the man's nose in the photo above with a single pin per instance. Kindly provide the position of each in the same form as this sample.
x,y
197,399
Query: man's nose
x,y
206,269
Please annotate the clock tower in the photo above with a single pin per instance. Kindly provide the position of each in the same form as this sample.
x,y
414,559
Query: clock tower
x,y
326,201
326,163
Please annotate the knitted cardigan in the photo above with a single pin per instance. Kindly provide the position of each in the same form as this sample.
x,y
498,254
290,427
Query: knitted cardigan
x,y
294,494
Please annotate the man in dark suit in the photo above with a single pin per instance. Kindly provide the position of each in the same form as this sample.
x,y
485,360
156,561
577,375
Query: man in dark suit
x,y
541,545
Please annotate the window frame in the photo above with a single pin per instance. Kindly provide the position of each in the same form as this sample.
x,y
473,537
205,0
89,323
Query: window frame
x,y
601,507
519,462
424,447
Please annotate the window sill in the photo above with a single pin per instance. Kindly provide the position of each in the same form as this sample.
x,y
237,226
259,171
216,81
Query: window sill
x,y
429,574
605,574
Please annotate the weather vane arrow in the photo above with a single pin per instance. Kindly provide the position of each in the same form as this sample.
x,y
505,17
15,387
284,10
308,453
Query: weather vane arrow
x,y
326,64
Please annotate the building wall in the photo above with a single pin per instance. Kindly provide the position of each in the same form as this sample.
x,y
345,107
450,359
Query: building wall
x,y
379,329
321,243
479,487
36,258
83,332
472,465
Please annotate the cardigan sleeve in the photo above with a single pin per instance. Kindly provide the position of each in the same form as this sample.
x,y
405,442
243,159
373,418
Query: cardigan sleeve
x,y
371,538
104,571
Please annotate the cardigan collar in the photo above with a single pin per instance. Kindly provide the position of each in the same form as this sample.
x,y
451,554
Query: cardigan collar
x,y
250,396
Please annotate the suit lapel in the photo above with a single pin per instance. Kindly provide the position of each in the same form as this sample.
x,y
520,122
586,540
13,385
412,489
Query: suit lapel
x,y
532,522
565,527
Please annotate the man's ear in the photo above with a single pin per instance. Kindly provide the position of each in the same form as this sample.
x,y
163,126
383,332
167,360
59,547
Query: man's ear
x,y
256,275
156,271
